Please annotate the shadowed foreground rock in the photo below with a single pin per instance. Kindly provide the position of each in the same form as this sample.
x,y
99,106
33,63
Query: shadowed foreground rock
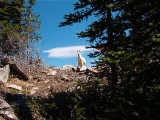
x,y
6,112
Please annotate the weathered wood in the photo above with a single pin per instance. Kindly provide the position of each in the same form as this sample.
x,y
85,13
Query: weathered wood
x,y
13,86
15,68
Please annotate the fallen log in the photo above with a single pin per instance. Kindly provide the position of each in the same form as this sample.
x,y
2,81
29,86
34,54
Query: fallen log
x,y
14,68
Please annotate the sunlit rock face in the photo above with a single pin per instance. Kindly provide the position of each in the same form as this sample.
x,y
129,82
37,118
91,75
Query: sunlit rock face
x,y
4,73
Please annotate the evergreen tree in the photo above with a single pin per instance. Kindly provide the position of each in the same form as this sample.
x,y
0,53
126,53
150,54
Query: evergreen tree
x,y
103,33
127,35
126,32
18,26
140,60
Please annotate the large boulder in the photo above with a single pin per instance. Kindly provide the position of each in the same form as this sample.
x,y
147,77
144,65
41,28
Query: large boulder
x,y
4,73
68,67
6,111
15,68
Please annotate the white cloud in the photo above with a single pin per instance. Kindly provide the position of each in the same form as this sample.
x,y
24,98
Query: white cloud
x,y
65,52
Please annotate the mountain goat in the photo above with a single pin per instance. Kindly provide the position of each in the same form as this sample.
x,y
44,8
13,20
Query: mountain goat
x,y
81,61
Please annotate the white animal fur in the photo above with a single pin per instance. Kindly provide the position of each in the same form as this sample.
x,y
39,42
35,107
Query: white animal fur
x,y
81,61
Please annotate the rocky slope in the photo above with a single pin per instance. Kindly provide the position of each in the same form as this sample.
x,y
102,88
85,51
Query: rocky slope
x,y
43,82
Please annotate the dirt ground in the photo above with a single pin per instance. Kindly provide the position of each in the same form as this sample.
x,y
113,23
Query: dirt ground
x,y
43,85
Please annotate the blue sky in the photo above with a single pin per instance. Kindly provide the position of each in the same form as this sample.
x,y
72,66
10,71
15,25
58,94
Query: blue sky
x,y
59,44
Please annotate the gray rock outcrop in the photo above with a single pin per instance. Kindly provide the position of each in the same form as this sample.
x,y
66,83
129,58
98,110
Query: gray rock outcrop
x,y
4,73
6,111
15,68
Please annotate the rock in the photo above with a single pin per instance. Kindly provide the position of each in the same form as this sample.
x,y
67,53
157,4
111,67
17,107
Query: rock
x,y
51,72
44,71
68,67
15,68
78,87
35,77
46,81
83,68
13,86
65,78
40,79
91,70
6,111
30,77
46,94
35,88
29,84
74,69
32,92
4,73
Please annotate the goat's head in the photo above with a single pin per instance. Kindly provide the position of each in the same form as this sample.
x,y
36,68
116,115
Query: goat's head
x,y
78,52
